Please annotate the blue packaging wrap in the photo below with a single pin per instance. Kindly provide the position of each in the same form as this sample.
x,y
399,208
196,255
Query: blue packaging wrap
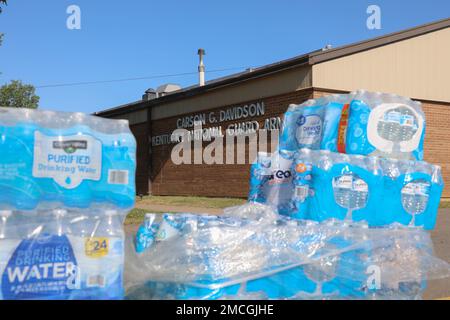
x,y
386,125
313,124
62,255
252,253
66,159
361,122
271,180
352,187
67,181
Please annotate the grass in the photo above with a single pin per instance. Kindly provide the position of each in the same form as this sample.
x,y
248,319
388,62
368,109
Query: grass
x,y
201,202
445,203
136,216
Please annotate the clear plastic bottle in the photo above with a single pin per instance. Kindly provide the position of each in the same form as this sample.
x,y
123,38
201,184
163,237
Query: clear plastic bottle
x,y
415,198
393,128
82,225
325,162
107,249
7,240
4,218
408,126
322,271
360,194
342,186
61,226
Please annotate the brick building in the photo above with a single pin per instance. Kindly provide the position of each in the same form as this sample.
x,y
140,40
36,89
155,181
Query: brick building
x,y
413,62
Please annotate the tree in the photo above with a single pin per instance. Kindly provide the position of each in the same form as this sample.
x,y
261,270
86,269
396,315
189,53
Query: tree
x,y
18,95
3,2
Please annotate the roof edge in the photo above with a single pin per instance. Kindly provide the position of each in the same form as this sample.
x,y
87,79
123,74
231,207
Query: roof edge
x,y
310,58
318,57
256,73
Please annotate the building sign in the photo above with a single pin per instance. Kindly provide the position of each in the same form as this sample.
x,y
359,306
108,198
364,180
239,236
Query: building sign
x,y
239,114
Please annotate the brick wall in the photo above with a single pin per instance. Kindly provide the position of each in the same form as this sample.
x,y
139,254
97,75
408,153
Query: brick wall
x,y
140,132
222,180
217,180
437,137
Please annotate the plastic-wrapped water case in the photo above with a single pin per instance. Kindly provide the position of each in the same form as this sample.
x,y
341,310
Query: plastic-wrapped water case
x,y
386,125
61,254
252,253
53,159
66,182
271,180
313,124
341,186
362,122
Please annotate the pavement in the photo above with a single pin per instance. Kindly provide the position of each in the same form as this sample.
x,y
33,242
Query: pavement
x,y
441,240
436,289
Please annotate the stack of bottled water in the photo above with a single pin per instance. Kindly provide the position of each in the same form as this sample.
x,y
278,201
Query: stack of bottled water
x,y
380,142
377,177
362,122
250,252
352,187
319,224
66,183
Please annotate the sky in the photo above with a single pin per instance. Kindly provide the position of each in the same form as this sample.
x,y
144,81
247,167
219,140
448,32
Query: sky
x,y
146,38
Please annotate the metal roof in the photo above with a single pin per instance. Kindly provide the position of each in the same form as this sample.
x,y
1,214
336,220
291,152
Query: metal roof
x,y
310,58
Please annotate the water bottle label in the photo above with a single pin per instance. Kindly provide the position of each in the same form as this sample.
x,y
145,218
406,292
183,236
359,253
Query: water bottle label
x,y
39,268
423,189
360,185
309,130
343,182
409,189
392,116
280,177
67,160
416,188
407,120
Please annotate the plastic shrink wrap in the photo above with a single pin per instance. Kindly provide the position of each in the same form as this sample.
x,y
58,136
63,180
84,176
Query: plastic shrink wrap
x,y
252,253
362,122
66,183
341,186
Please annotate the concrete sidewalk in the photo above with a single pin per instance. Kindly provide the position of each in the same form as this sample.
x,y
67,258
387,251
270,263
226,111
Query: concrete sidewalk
x,y
441,240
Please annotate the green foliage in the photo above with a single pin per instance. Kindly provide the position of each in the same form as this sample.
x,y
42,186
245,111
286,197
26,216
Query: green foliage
x,y
3,2
18,95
